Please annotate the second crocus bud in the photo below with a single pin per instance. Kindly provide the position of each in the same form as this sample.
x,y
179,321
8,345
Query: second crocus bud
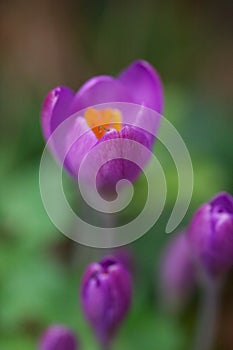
x,y
58,337
177,272
106,293
211,235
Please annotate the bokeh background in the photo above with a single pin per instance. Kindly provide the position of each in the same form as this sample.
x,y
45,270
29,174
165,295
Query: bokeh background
x,y
47,43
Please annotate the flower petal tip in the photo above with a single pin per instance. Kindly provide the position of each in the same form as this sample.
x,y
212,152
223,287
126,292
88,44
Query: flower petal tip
x,y
54,108
149,89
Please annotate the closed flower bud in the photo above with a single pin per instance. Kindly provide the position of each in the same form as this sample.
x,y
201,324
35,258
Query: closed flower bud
x,y
58,337
177,272
211,234
106,296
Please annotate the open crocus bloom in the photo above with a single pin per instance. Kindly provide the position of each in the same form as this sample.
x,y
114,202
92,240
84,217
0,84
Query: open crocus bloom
x,y
139,85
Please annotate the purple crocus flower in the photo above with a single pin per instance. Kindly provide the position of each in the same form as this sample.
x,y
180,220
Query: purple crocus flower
x,y
211,234
138,84
177,271
106,294
58,337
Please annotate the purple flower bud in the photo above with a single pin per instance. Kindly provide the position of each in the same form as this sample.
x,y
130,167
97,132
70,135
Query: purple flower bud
x,y
106,296
211,234
177,271
58,337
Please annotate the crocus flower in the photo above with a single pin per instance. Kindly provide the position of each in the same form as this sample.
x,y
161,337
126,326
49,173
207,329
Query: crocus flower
x,y
58,337
106,296
177,271
211,234
138,84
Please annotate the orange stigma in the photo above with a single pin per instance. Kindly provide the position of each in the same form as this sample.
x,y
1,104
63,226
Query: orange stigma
x,y
101,121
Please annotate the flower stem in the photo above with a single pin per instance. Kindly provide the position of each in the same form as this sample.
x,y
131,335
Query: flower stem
x,y
106,347
105,343
208,315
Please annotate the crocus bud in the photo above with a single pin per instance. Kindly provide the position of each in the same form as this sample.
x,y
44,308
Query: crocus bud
x,y
106,296
177,272
211,234
58,337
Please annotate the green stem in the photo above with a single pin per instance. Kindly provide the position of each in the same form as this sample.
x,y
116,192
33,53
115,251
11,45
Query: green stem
x,y
208,315
105,347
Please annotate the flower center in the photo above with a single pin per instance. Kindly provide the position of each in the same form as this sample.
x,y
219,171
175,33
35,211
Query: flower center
x,y
101,121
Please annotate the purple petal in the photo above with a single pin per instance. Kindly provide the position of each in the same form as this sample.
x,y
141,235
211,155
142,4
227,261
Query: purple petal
x,y
99,305
92,270
100,89
222,227
222,241
106,297
144,84
58,337
119,168
120,282
211,238
177,271
108,261
80,139
55,109
123,284
223,201
96,300
200,232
